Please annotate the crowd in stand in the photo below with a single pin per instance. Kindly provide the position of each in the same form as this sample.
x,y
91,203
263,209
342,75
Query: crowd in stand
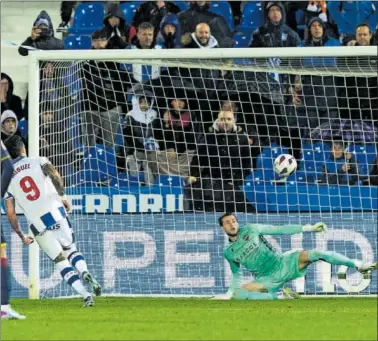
x,y
205,125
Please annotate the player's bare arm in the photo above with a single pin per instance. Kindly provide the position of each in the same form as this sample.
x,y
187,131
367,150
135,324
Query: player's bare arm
x,y
50,171
13,220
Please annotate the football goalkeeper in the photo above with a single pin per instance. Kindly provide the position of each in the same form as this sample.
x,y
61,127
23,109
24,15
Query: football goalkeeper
x,y
271,268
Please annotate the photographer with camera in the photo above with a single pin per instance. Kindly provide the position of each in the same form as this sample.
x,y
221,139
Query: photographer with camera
x,y
42,36
116,34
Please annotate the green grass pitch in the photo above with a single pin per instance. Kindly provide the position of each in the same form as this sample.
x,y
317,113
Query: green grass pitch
x,y
194,319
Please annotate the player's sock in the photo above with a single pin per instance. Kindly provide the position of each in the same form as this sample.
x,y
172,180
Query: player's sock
x,y
332,257
71,277
242,294
78,262
4,282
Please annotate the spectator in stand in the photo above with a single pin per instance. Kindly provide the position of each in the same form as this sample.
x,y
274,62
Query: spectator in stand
x,y
199,13
175,136
116,34
153,12
169,36
314,97
341,167
144,40
275,32
137,134
373,175
42,36
348,14
363,36
9,101
66,9
222,163
204,81
9,126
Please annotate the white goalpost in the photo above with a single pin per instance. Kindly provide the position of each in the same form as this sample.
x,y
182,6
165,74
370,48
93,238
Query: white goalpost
x,y
143,228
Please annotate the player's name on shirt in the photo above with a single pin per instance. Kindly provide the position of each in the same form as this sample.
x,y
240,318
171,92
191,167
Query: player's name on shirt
x,y
20,169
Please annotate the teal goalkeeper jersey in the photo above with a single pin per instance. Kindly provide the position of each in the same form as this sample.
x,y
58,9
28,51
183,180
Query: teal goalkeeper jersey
x,y
254,252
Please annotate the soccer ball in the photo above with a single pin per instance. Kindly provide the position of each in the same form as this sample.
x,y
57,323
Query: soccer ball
x,y
285,165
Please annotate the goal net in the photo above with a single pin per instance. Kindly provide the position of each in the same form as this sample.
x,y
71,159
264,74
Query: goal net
x,y
155,145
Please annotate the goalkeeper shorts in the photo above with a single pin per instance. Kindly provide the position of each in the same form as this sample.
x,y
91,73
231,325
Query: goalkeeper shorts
x,y
289,270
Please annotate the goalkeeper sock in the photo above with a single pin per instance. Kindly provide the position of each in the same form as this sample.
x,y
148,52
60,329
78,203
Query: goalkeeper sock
x,y
332,257
71,277
78,262
4,282
242,294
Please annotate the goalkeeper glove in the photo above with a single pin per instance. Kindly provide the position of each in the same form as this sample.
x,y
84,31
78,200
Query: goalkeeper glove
x,y
318,227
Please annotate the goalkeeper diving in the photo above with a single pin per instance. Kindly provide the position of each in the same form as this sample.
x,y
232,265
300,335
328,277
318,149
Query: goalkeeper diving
x,y
271,268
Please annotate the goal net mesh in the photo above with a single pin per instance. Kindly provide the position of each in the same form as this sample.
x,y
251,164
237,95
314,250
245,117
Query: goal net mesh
x,y
152,152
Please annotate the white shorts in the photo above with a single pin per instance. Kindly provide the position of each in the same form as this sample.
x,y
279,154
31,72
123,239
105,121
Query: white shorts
x,y
56,238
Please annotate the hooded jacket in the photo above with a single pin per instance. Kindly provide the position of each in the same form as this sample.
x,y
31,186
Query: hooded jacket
x,y
12,102
212,43
4,135
48,42
169,42
138,124
119,36
148,11
196,14
269,35
348,14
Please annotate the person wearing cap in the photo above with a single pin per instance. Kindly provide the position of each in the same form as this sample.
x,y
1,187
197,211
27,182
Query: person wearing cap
x,y
42,36
275,32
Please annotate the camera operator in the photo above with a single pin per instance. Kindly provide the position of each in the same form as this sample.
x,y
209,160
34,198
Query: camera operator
x,y
42,36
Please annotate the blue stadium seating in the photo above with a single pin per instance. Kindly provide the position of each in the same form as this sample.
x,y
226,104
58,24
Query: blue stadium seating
x,y
170,181
314,157
88,18
23,126
129,9
182,4
300,18
99,164
223,9
266,159
365,155
241,40
252,17
78,43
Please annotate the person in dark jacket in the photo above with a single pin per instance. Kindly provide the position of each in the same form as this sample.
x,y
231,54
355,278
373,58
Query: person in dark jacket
x,y
275,32
115,34
66,9
169,36
9,101
176,138
42,36
153,12
373,174
315,98
199,13
220,167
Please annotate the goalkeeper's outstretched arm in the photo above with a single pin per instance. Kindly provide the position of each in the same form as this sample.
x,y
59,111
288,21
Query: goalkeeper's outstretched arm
x,y
287,229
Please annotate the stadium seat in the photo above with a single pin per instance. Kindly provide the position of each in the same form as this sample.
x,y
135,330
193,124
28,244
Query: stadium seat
x,y
23,126
129,9
300,18
99,164
182,4
88,18
241,40
171,181
252,17
314,157
78,43
266,159
365,156
223,9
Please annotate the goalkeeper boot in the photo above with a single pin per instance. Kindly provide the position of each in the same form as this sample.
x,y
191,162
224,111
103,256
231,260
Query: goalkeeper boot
x,y
366,268
88,278
7,313
288,294
89,301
